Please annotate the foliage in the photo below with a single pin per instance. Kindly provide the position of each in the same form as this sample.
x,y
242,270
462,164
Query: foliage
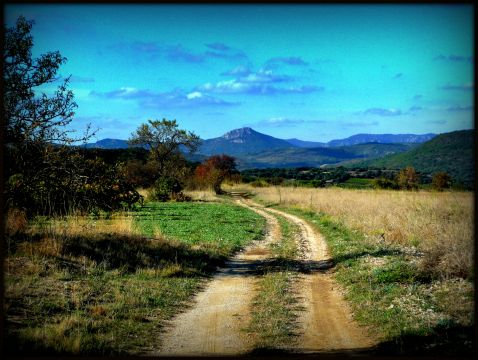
x,y
33,119
164,139
441,180
70,184
384,183
166,188
166,166
407,179
43,174
215,170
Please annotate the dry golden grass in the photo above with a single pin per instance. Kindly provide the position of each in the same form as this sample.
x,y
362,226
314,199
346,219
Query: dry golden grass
x,y
202,195
440,224
53,232
119,224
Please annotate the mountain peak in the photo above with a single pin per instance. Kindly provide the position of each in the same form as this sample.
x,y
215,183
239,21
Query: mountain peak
x,y
238,133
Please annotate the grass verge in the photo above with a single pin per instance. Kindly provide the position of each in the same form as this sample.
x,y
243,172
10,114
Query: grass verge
x,y
106,286
275,305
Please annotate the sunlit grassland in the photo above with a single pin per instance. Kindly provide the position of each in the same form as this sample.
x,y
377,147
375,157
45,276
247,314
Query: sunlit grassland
x,y
102,286
439,224
403,258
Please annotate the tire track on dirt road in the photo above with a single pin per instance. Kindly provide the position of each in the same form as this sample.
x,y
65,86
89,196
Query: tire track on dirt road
x,y
214,324
327,323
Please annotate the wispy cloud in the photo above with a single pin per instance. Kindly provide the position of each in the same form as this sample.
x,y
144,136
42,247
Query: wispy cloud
x,y
261,82
252,88
285,122
383,112
454,58
415,108
460,108
417,97
218,46
460,87
359,123
238,71
178,52
75,79
172,99
398,76
223,51
436,122
291,60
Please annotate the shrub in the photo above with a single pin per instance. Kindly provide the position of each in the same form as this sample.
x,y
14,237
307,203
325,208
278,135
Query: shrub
x,y
441,180
259,183
166,188
384,183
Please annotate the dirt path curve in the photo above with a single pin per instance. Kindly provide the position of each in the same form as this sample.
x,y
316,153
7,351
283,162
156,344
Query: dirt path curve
x,y
213,325
326,324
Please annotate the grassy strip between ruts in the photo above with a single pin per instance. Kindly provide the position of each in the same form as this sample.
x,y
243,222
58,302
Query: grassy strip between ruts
x,y
411,312
275,306
95,291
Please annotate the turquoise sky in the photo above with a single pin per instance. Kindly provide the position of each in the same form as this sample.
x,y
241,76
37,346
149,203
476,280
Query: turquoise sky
x,y
313,72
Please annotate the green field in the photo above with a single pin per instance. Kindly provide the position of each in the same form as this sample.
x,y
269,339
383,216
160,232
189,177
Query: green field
x,y
229,227
101,293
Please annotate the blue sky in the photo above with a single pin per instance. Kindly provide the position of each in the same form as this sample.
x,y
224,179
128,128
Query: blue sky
x,y
313,72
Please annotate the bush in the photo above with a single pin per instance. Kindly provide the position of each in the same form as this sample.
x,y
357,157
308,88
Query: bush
x,y
165,188
384,183
259,183
441,181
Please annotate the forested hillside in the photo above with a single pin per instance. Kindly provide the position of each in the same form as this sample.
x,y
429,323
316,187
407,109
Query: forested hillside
x,y
451,152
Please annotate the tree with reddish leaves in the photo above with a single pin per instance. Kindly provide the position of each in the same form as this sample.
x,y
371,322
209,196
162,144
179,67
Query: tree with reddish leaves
x,y
215,169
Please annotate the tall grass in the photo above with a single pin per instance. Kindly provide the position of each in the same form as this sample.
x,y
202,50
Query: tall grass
x,y
438,224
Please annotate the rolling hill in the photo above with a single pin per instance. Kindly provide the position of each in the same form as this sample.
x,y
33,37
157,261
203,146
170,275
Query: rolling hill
x,y
306,144
314,157
108,144
381,138
450,152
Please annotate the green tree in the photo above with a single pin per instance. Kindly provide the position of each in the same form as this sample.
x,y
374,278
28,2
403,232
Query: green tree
x,y
164,140
407,179
34,122
43,174
441,181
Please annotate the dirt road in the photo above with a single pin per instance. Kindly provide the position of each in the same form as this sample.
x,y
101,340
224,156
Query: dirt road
x,y
326,323
214,324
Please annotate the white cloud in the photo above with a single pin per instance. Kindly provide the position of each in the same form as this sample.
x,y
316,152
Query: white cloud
x,y
194,95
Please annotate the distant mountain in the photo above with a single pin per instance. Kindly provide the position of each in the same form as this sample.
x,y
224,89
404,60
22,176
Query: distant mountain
x,y
246,141
305,144
451,152
108,144
314,157
381,138
242,141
